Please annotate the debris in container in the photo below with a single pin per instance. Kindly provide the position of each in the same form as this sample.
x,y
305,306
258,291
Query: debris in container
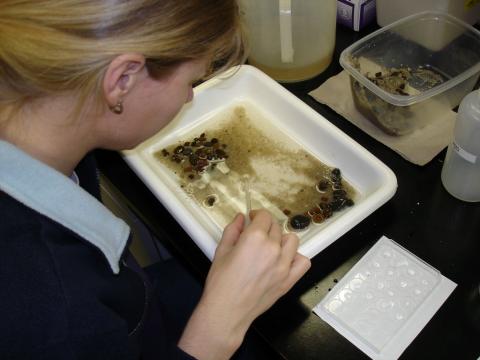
x,y
210,200
198,155
404,81
299,190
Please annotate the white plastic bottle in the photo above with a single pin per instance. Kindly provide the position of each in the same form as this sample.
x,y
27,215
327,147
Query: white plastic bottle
x,y
461,169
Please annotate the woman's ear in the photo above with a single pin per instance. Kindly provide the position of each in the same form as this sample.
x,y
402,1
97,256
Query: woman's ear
x,y
121,76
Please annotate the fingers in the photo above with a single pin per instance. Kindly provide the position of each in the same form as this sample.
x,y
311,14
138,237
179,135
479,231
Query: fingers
x,y
230,235
254,267
298,264
261,219
275,232
299,267
289,246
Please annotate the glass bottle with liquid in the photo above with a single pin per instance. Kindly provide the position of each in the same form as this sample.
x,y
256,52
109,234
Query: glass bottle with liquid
x,y
290,40
461,169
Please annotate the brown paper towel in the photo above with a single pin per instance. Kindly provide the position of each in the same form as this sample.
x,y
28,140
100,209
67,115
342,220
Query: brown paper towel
x,y
419,147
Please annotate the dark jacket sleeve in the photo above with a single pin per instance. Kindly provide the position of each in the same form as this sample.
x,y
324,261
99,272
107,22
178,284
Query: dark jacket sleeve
x,y
36,322
41,315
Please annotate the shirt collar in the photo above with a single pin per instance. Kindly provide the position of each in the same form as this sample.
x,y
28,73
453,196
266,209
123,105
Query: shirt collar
x,y
54,195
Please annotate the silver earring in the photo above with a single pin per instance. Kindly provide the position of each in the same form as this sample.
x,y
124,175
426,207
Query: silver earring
x,y
118,108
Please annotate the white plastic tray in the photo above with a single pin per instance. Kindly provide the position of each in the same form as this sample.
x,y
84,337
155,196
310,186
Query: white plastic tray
x,y
385,300
374,182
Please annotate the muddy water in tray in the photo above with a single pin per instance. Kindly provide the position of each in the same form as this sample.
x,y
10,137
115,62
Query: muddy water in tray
x,y
211,163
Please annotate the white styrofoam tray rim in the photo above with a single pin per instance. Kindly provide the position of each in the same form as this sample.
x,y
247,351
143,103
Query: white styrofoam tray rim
x,y
135,159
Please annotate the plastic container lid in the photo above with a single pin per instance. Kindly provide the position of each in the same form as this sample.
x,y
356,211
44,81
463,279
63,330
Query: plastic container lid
x,y
385,300
434,22
381,293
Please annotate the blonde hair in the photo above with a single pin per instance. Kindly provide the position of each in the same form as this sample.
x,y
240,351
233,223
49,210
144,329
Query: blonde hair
x,y
53,46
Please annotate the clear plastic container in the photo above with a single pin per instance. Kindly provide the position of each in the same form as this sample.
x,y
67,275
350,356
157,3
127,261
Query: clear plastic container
x,y
389,11
384,300
410,72
290,40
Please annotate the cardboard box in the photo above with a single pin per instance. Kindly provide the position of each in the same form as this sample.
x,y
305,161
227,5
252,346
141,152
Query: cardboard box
x,y
356,14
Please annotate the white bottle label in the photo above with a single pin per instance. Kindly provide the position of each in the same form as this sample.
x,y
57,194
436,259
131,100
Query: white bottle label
x,y
464,154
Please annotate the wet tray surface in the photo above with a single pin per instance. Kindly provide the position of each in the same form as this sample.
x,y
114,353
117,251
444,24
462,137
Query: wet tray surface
x,y
299,129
